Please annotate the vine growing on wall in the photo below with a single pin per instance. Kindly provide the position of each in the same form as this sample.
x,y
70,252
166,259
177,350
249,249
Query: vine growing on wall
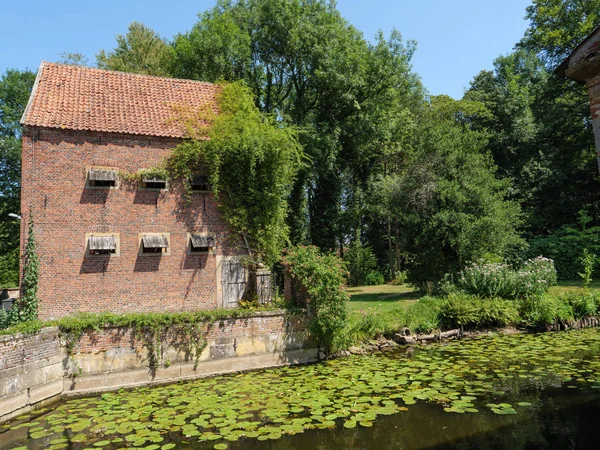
x,y
24,309
323,276
251,159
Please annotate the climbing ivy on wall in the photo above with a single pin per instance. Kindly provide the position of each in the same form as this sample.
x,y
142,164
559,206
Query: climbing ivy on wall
x,y
251,159
24,309
323,276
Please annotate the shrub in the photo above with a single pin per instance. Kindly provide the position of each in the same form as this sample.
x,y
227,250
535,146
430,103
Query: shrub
x,y
4,322
399,278
323,275
501,280
583,305
497,312
375,278
587,263
457,310
543,310
361,263
566,245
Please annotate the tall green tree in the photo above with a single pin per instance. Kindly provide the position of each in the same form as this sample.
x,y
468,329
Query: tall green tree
x,y
450,206
539,124
140,50
556,27
304,62
15,87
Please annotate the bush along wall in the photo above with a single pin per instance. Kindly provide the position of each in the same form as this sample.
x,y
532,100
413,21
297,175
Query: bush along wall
x,y
323,276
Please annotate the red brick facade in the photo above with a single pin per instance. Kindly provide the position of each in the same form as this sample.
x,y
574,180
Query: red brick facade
x,y
54,171
593,85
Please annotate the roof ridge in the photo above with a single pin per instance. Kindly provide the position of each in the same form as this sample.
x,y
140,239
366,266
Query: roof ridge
x,y
123,73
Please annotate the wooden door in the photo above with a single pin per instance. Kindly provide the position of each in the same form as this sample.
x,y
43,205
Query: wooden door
x,y
233,279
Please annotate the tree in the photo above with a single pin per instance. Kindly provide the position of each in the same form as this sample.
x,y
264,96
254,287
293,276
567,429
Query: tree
x,y
539,125
450,206
15,87
556,27
74,59
252,159
304,62
141,50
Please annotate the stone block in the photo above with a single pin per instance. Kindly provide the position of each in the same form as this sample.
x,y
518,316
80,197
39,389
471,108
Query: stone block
x,y
167,373
39,393
12,402
10,385
250,346
54,372
32,378
222,351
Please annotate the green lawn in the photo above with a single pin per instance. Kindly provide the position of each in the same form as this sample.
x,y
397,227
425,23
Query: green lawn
x,y
388,297
573,286
382,298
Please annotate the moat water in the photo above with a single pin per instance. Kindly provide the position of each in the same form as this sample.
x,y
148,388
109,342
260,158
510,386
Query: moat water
x,y
526,391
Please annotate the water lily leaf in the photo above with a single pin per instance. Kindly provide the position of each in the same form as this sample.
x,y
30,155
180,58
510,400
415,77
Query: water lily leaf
x,y
349,424
40,434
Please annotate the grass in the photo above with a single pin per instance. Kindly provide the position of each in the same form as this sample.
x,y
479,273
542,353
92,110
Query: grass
x,y
385,297
572,286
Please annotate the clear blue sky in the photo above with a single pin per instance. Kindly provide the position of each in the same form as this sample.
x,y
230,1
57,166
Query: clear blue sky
x,y
456,39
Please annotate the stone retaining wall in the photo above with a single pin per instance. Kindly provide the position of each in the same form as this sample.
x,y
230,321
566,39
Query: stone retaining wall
x,y
38,369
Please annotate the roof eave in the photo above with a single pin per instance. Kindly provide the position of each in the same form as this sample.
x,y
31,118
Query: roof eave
x,y
32,95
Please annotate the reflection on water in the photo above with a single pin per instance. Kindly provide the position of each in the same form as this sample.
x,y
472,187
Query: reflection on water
x,y
504,392
565,419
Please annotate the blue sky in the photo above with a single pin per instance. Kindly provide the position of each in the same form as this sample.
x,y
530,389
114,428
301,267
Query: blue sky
x,y
456,39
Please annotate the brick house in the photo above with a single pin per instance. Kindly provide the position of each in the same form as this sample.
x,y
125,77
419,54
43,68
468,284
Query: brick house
x,y
106,244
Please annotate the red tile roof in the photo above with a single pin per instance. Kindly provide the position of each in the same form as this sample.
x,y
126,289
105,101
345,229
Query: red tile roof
x,y
82,98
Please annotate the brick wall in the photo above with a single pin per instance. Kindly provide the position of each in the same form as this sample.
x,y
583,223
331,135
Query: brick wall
x,y
54,184
20,350
31,371
260,324
593,85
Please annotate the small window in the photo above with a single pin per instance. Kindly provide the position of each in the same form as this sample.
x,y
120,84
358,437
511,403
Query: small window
x,y
102,178
102,244
200,183
154,183
201,243
155,244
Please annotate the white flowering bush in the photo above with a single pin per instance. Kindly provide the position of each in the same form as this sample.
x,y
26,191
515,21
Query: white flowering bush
x,y
490,280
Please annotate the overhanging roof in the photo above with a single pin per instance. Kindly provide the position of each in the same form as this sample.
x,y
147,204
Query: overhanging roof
x,y
584,60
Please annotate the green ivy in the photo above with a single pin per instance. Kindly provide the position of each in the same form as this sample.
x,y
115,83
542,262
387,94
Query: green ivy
x,y
252,160
323,275
24,308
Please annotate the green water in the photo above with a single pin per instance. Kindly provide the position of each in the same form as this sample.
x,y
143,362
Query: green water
x,y
525,391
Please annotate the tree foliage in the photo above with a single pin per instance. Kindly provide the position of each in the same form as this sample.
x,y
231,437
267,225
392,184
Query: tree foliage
x,y
304,62
15,87
556,27
141,50
451,208
252,160
323,276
